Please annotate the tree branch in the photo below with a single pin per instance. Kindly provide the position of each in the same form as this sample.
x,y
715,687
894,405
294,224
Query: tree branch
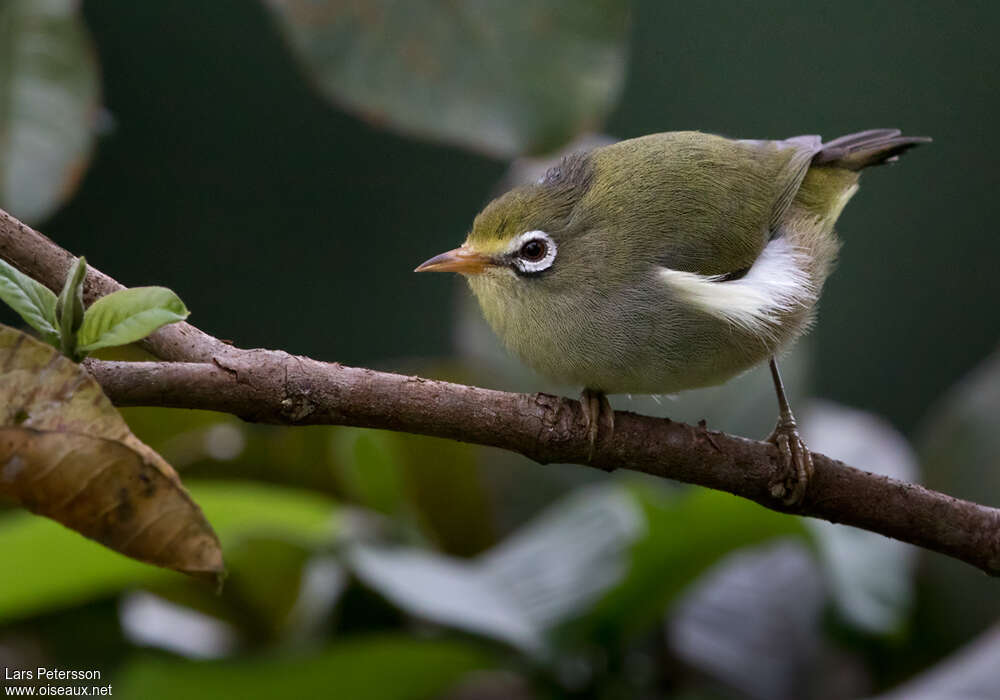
x,y
37,256
271,386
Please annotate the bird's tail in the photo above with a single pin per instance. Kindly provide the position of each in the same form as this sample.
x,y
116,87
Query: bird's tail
x,y
865,148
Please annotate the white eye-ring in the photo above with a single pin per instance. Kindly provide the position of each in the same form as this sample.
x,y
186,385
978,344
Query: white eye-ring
x,y
533,251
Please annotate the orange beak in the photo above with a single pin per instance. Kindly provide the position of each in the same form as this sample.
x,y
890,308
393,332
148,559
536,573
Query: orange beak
x,y
464,260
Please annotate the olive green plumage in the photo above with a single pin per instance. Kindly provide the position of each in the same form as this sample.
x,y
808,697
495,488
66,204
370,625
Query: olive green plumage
x,y
681,259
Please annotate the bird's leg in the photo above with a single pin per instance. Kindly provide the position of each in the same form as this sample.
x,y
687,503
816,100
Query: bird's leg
x,y
794,457
596,409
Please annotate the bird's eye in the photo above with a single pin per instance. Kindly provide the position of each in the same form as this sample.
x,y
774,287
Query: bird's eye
x,y
533,250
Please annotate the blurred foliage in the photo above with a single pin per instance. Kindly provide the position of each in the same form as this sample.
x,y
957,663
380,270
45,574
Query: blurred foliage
x,y
48,105
961,444
378,565
776,591
393,668
432,482
960,451
870,576
683,535
472,73
74,569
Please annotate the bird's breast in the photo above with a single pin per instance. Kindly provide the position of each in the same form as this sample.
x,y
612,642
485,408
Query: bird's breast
x,y
639,338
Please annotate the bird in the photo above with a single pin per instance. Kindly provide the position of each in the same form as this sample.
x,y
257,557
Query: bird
x,y
669,262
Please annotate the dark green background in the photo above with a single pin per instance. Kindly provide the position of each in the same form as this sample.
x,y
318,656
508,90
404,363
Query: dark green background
x,y
283,222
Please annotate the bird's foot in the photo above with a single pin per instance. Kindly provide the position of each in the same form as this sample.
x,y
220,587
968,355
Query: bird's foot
x,y
596,410
794,460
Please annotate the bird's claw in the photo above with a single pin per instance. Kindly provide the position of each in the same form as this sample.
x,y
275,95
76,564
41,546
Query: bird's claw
x,y
795,463
596,410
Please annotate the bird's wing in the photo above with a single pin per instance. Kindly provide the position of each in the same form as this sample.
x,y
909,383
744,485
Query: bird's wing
x,y
800,151
696,202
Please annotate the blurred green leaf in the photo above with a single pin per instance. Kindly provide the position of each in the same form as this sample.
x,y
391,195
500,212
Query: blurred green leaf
x,y
74,569
506,78
48,104
159,427
426,483
959,448
959,443
446,490
374,668
561,562
185,437
243,509
268,596
630,549
369,470
685,533
777,594
968,674
128,315
447,591
209,445
32,300
546,572
870,576
160,622
265,574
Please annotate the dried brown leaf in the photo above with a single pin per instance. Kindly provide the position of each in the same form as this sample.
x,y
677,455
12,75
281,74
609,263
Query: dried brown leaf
x,y
67,454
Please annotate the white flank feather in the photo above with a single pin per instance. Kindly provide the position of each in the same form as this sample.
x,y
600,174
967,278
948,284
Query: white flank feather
x,y
777,282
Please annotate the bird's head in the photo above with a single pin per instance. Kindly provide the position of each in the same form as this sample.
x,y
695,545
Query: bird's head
x,y
543,266
523,240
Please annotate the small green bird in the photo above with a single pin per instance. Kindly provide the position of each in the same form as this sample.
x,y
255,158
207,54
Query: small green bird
x,y
668,262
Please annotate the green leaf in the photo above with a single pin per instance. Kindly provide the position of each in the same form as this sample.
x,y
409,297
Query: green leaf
x,y
129,315
500,77
373,668
48,104
58,568
69,307
32,300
